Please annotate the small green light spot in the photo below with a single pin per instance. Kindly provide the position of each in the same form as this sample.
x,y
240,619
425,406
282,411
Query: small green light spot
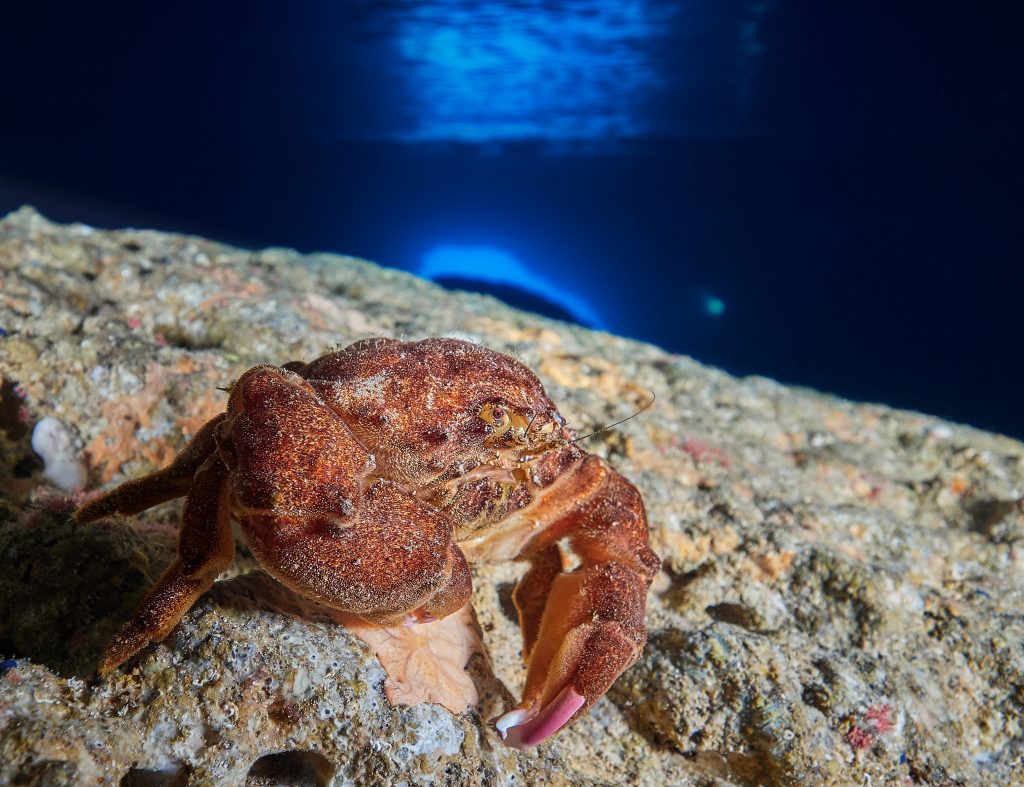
x,y
715,307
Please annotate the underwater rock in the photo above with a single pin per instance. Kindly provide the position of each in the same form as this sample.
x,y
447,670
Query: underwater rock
x,y
841,600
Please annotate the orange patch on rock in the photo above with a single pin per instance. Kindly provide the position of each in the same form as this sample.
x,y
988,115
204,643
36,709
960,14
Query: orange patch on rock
x,y
593,374
685,549
126,415
772,565
725,540
515,333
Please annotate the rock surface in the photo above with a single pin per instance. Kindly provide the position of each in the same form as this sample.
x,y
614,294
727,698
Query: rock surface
x,y
841,600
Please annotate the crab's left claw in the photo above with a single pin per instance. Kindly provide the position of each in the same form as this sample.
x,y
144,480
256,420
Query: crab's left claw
x,y
583,629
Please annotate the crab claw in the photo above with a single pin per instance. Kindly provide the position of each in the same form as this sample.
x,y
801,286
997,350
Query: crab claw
x,y
592,630
522,729
581,628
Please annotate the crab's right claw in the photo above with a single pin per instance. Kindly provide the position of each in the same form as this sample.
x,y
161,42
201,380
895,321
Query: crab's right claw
x,y
581,629
592,630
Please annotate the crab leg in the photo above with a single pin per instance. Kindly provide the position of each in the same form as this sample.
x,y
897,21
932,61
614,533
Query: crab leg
x,y
205,548
532,592
135,496
584,628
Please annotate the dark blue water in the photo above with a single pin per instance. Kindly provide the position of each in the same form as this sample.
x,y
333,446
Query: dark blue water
x,y
830,195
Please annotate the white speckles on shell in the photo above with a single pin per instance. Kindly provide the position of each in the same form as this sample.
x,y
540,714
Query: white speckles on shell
x,y
371,388
462,336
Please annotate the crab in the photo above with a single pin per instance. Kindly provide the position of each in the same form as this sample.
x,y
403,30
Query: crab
x,y
372,478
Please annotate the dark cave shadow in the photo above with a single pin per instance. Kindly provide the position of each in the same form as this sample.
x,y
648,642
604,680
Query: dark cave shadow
x,y
256,590
67,588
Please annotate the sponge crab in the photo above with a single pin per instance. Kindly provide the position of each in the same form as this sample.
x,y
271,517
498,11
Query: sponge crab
x,y
370,480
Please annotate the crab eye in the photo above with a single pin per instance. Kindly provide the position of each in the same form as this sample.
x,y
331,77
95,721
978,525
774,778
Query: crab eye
x,y
497,418
494,414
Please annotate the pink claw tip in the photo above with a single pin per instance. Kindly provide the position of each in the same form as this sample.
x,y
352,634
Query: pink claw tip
x,y
522,729
513,718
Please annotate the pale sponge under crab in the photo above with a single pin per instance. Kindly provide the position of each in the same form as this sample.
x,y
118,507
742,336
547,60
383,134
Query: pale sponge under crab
x,y
55,444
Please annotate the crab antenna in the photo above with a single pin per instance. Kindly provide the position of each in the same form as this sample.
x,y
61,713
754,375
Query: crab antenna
x,y
611,426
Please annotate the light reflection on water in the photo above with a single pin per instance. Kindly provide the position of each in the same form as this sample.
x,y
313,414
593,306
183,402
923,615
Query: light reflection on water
x,y
580,71
586,71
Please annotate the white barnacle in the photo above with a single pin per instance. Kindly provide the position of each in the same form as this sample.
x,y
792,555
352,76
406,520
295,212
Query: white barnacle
x,y
55,443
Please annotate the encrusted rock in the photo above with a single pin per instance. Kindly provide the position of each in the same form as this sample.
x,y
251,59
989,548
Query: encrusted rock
x,y
841,600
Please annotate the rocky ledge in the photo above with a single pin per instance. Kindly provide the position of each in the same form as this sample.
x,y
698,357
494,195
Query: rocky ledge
x,y
841,600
